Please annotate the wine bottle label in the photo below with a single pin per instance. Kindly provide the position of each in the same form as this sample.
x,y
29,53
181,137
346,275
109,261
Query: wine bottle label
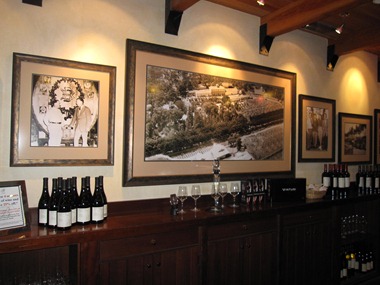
x,y
335,182
361,182
84,215
105,210
377,182
63,219
52,218
368,182
326,181
97,213
43,216
73,216
344,272
341,182
347,182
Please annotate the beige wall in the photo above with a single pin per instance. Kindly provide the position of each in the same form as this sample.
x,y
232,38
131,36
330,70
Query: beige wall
x,y
95,31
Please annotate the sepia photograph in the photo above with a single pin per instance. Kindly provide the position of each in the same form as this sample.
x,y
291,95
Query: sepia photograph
x,y
355,138
316,141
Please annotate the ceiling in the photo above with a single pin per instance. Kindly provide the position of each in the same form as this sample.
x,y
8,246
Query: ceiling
x,y
361,19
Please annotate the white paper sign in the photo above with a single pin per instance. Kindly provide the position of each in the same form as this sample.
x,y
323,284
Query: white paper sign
x,y
12,213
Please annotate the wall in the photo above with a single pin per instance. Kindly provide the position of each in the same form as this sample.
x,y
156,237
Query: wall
x,y
95,31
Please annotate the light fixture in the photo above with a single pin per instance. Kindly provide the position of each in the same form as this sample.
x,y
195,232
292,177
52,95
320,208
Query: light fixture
x,y
261,2
339,29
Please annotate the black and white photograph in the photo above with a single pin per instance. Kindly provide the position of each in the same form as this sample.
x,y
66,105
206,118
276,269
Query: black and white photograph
x,y
65,112
192,116
316,141
355,138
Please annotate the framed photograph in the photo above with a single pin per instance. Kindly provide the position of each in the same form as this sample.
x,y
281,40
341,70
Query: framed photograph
x,y
14,210
62,112
186,109
354,139
376,118
316,132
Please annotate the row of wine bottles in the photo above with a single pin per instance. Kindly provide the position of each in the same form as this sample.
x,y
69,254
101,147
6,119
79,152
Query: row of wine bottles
x,y
63,207
368,180
355,260
337,180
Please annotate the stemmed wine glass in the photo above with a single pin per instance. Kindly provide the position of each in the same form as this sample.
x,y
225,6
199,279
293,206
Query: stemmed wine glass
x,y
215,196
223,189
235,189
182,196
195,194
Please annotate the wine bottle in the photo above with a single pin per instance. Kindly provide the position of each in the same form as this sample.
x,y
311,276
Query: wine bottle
x,y
376,180
368,180
64,208
101,188
334,192
53,204
97,205
43,203
341,182
347,182
73,200
84,204
326,177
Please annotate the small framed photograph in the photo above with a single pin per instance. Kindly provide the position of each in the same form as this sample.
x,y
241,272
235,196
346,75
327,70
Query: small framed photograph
x,y
354,139
62,112
14,211
377,135
316,132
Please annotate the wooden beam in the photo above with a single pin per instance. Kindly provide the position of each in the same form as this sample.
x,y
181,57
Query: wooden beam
x,y
181,5
173,14
300,13
362,40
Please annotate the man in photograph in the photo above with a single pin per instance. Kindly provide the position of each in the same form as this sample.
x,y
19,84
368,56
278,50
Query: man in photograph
x,y
81,122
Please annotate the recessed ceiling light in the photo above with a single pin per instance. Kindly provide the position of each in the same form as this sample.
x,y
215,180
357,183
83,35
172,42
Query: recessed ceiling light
x,y
261,2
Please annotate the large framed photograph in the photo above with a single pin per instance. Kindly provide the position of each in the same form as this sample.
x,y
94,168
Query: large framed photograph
x,y
186,109
316,130
62,112
354,139
14,210
376,118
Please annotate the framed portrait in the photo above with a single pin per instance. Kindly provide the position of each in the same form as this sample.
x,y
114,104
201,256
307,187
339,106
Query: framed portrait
x,y
62,112
376,118
354,139
14,210
316,130
186,109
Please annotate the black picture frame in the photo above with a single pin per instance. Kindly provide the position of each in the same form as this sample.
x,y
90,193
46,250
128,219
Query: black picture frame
x,y
138,171
316,129
376,135
354,138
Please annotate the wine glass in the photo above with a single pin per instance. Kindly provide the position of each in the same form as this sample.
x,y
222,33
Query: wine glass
x,y
215,196
182,196
195,194
235,189
223,189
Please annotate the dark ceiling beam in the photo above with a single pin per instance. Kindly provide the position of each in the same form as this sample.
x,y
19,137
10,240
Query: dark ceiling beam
x,y
33,2
362,40
173,14
297,14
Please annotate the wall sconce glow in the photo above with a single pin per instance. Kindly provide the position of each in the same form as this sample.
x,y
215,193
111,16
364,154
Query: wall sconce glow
x,y
219,51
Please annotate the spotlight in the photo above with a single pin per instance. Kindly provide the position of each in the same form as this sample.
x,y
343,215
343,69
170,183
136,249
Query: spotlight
x,y
261,2
339,29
